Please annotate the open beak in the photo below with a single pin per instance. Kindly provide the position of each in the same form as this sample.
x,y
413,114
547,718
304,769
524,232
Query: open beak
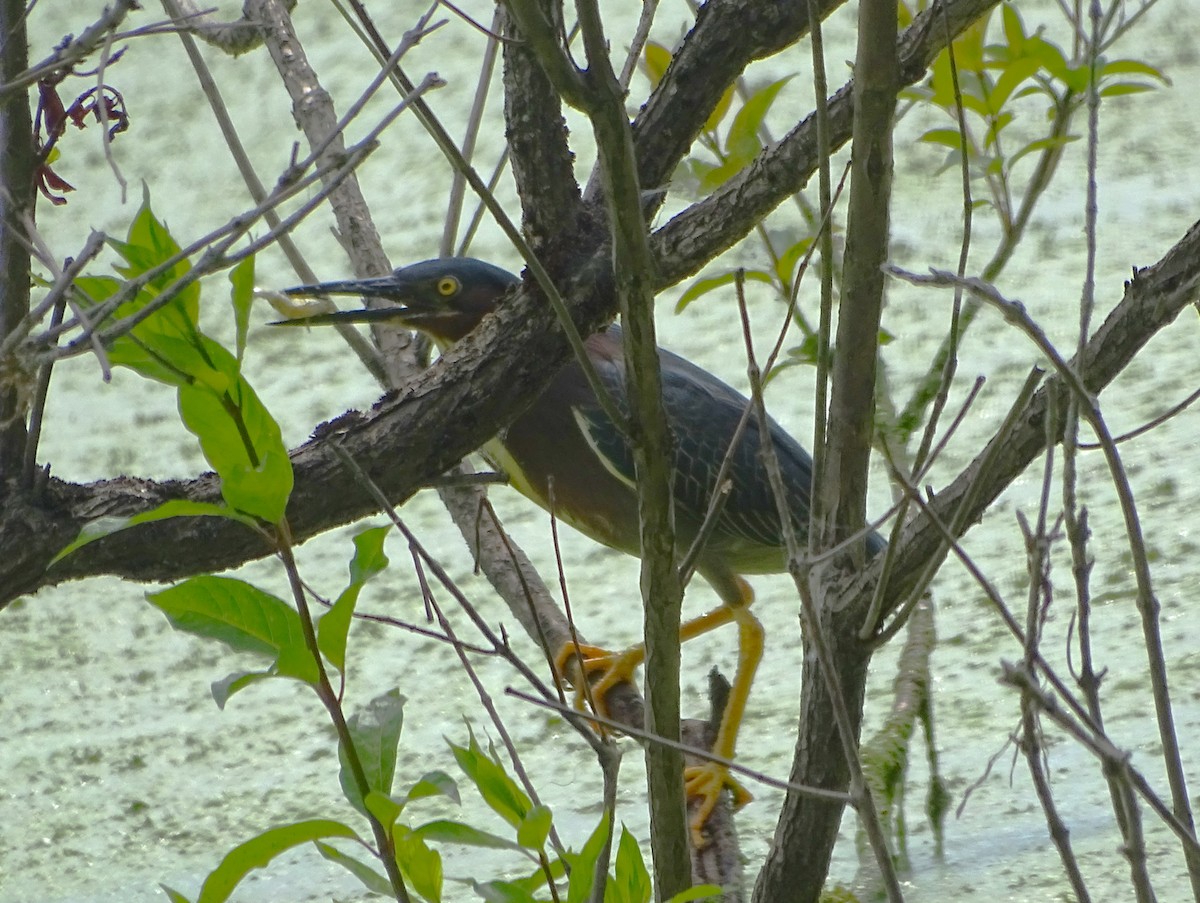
x,y
405,308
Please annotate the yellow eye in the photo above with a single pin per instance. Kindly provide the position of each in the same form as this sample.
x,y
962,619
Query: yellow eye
x,y
447,286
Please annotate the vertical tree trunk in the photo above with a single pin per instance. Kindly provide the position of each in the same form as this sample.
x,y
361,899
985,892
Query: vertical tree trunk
x,y
16,211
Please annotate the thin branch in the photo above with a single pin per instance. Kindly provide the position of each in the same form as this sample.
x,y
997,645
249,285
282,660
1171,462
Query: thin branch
x,y
645,736
815,637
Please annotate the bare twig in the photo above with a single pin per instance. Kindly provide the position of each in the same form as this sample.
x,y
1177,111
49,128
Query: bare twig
x,y
1148,605
700,753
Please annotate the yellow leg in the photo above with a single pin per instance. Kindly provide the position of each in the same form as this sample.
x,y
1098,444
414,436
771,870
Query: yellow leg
x,y
706,781
703,782
616,667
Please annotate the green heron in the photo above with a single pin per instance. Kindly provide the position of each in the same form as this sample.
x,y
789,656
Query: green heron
x,y
565,444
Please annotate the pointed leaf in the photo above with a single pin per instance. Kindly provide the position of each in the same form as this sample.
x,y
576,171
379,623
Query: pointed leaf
x,y
241,616
421,865
585,863
241,440
385,809
449,831
498,790
433,783
369,558
699,892
375,732
371,879
106,526
534,828
1014,28
1121,88
706,284
632,881
950,138
241,295
259,851
719,111
743,142
1133,67
333,628
656,58
520,890
224,688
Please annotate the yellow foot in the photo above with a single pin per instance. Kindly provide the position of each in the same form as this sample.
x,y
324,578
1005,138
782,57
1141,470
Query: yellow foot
x,y
602,669
704,783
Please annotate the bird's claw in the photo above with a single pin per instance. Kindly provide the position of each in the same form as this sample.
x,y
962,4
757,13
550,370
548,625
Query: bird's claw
x,y
703,784
612,667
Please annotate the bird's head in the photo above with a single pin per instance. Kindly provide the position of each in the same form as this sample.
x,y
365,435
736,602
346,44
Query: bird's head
x,y
444,298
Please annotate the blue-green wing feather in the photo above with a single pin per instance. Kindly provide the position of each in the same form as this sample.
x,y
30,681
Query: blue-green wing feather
x,y
703,414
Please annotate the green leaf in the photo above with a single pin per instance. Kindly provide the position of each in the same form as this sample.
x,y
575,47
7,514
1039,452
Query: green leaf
x,y
333,629
97,289
148,245
656,58
1015,74
706,284
433,783
224,688
1077,78
1049,55
743,144
789,260
334,626
169,359
242,617
369,558
421,865
1040,145
259,851
371,879
1014,29
713,177
699,892
498,790
106,526
240,439
375,732
173,895
1133,67
519,890
631,882
385,809
449,831
1121,88
950,138
719,111
584,863
241,295
976,104
968,46
534,828
502,892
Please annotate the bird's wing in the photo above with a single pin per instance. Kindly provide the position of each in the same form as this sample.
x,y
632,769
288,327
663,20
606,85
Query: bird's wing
x,y
703,414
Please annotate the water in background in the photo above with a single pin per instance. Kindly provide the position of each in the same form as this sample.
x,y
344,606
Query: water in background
x,y
119,770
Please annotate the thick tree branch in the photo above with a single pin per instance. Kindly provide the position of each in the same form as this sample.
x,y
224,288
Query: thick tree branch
x,y
451,409
727,36
541,158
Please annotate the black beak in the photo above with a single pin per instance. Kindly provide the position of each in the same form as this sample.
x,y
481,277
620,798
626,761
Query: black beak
x,y
405,309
